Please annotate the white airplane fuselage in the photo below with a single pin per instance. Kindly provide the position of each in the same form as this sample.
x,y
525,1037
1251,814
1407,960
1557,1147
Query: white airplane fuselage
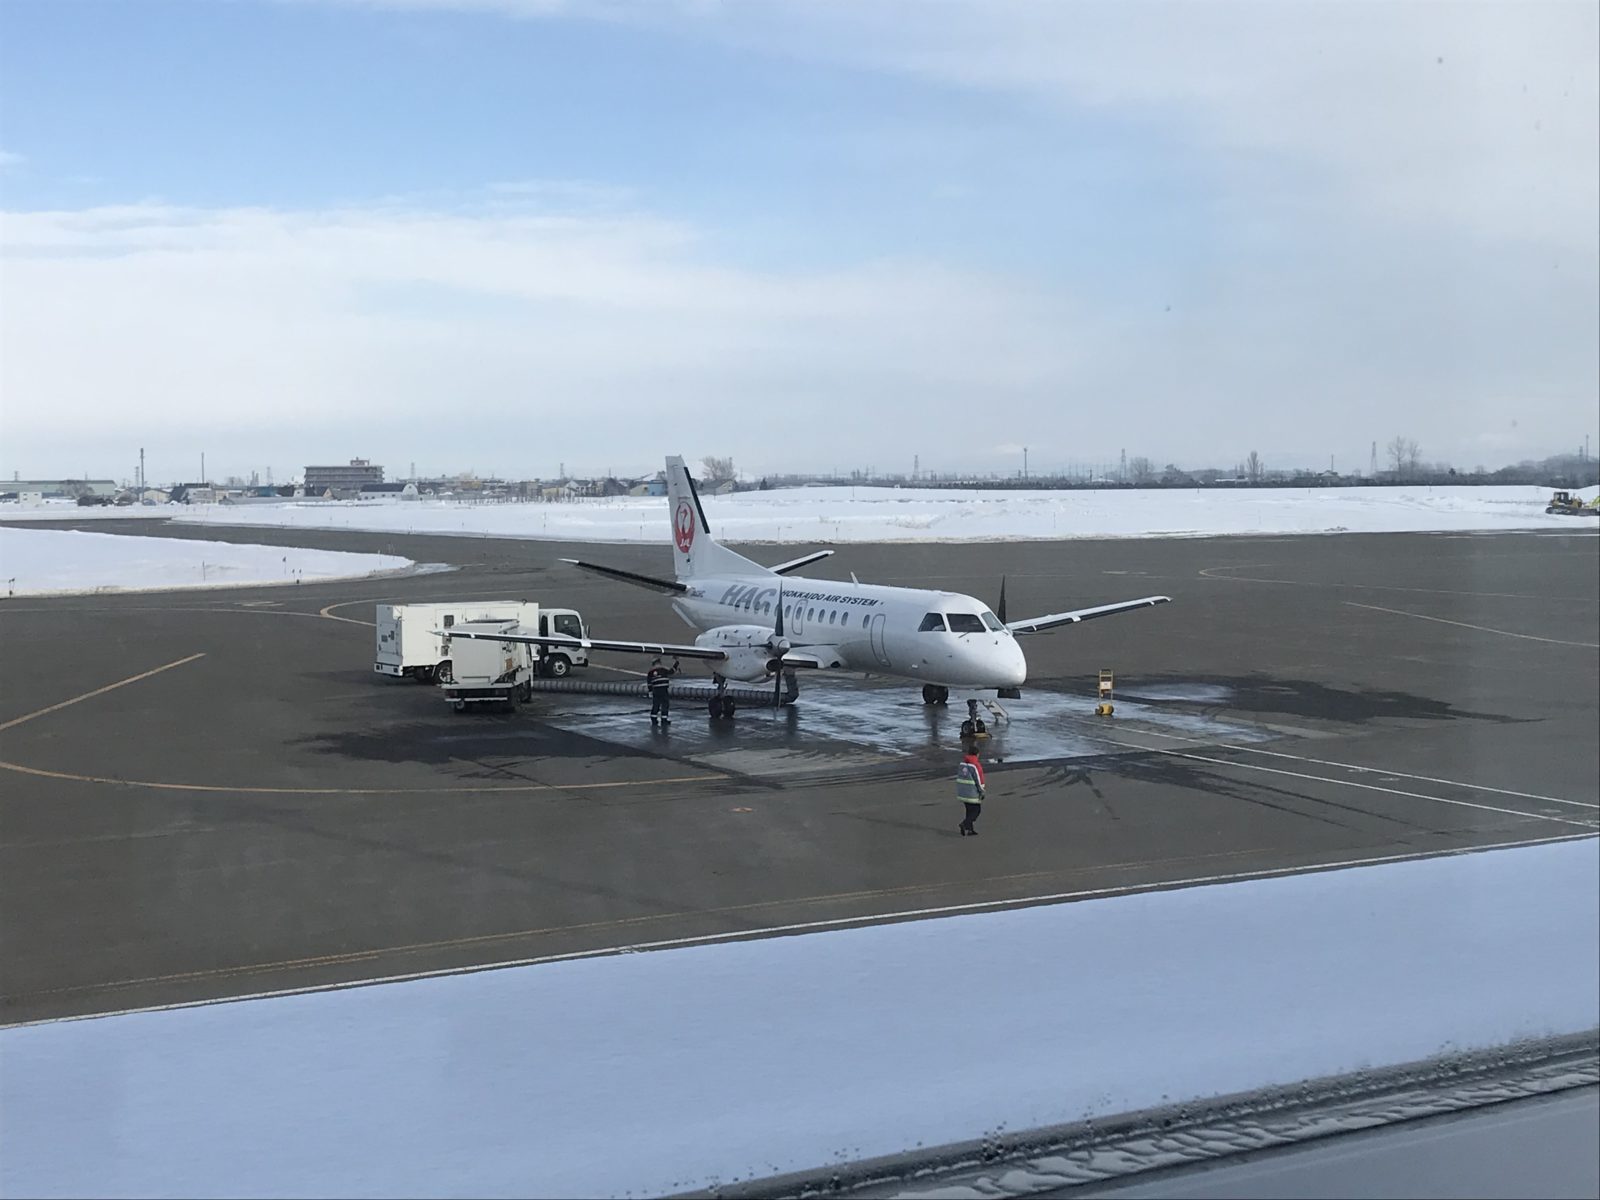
x,y
876,629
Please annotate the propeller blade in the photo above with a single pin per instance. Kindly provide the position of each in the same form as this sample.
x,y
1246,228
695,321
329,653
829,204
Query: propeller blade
x,y
777,641
1001,611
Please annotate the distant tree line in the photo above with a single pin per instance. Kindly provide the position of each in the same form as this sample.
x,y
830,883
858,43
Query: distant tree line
x,y
1403,466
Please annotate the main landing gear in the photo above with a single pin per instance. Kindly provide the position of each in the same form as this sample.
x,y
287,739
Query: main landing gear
x,y
933,693
721,704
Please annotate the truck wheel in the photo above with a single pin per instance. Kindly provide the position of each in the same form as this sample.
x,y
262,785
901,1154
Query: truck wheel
x,y
444,671
559,666
460,706
423,674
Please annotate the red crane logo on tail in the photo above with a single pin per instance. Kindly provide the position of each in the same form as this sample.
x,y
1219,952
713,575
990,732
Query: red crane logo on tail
x,y
683,526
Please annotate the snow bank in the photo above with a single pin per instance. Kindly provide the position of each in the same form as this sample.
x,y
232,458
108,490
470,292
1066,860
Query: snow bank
x,y
71,510
36,562
654,1072
923,514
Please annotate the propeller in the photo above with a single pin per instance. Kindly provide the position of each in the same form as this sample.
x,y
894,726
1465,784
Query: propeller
x,y
1000,610
779,644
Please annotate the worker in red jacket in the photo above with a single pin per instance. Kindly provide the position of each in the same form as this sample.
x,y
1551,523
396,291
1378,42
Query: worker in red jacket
x,y
970,791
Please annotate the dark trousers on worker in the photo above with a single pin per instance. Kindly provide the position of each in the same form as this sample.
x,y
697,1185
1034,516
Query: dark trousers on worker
x,y
660,701
972,815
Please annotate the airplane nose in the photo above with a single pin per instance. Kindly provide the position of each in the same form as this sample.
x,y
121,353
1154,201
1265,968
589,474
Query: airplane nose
x,y
1018,667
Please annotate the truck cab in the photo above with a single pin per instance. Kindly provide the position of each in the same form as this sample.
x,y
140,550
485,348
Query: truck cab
x,y
558,661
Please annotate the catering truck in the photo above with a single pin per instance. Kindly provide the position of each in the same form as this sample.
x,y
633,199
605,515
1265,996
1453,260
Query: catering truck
x,y
411,645
481,670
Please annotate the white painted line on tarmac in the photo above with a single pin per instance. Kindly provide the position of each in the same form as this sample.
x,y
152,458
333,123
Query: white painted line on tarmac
x,y
1527,637
1323,762
743,935
1349,783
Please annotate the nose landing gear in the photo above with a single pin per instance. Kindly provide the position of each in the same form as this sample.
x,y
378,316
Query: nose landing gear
x,y
933,693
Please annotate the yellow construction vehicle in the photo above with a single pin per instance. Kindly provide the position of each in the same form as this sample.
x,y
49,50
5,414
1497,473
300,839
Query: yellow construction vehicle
x,y
1568,504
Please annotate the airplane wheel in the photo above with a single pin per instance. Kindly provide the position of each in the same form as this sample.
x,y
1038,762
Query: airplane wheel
x,y
728,709
716,707
930,694
941,695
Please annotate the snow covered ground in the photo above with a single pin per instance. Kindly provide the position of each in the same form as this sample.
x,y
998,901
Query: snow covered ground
x,y
864,514
922,514
648,1073
41,562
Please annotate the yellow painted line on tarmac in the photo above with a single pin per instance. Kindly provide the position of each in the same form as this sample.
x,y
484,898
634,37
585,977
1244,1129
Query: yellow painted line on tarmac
x,y
110,687
1527,637
327,611
73,777
355,956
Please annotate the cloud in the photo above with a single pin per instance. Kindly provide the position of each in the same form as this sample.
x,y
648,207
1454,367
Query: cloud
x,y
491,337
1482,116
510,340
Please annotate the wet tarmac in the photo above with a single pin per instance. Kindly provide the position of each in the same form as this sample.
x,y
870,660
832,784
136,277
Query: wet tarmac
x,y
210,794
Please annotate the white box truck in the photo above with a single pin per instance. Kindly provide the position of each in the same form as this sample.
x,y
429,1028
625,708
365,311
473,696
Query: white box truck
x,y
409,645
480,671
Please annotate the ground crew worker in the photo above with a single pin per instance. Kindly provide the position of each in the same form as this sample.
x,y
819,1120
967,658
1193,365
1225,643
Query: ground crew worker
x,y
970,791
659,680
973,727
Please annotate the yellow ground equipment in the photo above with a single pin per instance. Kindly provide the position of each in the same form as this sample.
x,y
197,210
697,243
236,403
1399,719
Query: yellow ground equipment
x,y
1104,708
1567,504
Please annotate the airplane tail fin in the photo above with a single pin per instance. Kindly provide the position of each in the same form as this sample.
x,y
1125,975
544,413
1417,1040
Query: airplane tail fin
x,y
694,550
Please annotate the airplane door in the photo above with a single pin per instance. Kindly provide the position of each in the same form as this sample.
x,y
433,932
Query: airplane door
x,y
875,634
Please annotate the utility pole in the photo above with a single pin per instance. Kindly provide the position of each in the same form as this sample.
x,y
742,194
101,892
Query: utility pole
x,y
1372,467
916,461
141,470
1024,462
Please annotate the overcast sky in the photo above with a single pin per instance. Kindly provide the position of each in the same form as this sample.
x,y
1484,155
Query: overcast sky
x,y
502,235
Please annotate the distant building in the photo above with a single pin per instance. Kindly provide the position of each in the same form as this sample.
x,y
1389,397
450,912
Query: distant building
x,y
349,479
67,489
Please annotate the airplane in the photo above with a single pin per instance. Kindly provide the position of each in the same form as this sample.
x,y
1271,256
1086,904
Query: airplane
x,y
759,622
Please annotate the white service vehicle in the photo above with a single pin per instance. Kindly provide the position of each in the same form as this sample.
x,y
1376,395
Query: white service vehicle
x,y
480,670
410,645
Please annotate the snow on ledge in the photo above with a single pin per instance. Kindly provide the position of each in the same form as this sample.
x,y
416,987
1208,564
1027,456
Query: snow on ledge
x,y
659,1072
55,562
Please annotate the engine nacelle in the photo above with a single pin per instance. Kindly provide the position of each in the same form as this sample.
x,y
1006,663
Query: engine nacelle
x,y
750,650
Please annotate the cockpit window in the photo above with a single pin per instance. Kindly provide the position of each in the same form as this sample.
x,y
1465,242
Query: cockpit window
x,y
932,623
965,623
992,621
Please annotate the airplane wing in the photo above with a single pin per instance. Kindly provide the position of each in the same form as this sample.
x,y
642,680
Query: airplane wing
x,y
539,639
794,564
669,586
1038,624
